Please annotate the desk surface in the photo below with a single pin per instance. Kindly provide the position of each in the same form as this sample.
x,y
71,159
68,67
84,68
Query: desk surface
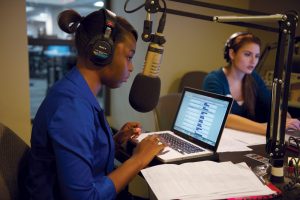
x,y
235,157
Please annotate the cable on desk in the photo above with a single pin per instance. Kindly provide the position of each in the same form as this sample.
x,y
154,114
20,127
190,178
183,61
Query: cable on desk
x,y
295,163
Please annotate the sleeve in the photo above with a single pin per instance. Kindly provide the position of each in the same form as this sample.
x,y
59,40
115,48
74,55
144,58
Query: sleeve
x,y
213,83
72,132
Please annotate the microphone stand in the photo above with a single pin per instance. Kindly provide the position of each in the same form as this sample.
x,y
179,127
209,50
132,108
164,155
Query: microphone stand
x,y
275,137
280,90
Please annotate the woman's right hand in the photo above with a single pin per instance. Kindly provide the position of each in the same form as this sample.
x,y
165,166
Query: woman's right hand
x,y
292,123
148,148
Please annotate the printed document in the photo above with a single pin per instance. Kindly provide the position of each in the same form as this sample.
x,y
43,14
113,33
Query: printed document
x,y
203,180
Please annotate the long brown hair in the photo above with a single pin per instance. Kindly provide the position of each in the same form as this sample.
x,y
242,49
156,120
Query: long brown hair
x,y
249,87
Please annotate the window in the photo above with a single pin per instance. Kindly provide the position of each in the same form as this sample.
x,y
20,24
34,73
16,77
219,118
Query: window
x,y
51,51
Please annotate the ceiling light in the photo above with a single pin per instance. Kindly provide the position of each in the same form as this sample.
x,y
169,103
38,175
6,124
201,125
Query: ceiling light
x,y
29,8
99,4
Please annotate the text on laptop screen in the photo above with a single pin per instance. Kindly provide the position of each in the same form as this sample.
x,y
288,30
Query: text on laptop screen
x,y
201,117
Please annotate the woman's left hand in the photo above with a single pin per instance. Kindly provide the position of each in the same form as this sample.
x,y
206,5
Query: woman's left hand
x,y
130,130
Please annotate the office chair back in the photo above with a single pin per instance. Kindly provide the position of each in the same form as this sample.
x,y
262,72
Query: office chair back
x,y
13,163
165,111
193,79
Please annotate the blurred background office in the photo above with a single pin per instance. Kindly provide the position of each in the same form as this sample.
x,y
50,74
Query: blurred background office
x,y
34,53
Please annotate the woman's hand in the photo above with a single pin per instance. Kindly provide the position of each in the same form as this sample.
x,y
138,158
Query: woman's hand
x,y
147,149
292,123
143,154
130,130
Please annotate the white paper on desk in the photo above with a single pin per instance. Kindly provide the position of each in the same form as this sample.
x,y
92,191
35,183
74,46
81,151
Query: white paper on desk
x,y
203,180
229,144
245,137
234,140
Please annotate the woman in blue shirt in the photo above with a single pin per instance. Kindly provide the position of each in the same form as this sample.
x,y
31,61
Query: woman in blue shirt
x,y
72,146
251,108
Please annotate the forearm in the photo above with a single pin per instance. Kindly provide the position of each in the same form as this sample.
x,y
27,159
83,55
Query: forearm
x,y
142,156
125,173
244,124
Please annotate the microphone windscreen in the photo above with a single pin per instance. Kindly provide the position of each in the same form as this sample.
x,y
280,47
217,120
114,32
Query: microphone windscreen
x,y
144,93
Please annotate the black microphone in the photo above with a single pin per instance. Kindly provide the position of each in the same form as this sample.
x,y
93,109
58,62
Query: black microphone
x,y
145,89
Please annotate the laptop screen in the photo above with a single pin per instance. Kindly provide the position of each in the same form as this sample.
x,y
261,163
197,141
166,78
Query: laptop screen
x,y
202,115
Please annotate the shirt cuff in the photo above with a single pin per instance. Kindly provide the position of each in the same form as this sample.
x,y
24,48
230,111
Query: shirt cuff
x,y
106,188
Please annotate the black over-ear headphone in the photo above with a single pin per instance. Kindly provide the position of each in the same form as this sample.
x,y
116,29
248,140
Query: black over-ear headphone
x,y
101,47
230,43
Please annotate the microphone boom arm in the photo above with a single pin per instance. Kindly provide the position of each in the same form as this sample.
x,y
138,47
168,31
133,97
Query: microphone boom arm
x,y
262,18
275,146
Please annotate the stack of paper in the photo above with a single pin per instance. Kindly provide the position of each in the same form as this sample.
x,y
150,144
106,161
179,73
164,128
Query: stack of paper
x,y
204,180
234,140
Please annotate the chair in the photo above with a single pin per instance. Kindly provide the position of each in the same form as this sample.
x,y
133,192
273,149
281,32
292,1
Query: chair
x,y
165,111
193,79
13,163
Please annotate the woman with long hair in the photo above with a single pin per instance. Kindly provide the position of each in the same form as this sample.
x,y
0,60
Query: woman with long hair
x,y
238,79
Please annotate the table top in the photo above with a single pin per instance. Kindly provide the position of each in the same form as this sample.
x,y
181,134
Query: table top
x,y
235,157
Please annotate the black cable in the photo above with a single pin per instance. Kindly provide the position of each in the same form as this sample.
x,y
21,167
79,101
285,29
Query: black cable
x,y
162,20
132,11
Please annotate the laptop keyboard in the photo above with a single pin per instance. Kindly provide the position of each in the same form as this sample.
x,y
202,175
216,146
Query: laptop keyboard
x,y
178,144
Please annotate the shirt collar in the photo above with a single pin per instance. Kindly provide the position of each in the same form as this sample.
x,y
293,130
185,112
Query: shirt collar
x,y
76,78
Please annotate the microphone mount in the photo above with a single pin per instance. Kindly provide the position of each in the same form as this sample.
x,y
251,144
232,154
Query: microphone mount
x,y
151,7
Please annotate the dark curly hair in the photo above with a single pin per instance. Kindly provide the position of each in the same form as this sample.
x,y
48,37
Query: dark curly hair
x,y
86,28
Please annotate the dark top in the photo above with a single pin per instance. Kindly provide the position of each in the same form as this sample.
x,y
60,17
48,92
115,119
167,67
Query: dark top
x,y
216,82
72,149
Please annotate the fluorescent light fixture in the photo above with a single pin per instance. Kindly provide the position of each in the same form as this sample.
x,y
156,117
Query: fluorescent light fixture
x,y
52,2
41,17
29,8
99,4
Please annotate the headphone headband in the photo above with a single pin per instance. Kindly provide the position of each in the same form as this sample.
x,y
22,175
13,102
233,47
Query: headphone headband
x,y
110,18
231,42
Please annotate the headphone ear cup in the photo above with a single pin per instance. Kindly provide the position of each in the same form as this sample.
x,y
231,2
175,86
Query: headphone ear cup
x,y
101,51
226,52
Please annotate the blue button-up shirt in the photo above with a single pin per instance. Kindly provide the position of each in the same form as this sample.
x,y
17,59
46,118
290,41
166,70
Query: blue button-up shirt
x,y
72,149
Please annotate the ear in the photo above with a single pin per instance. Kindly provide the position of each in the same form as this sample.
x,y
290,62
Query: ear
x,y
231,54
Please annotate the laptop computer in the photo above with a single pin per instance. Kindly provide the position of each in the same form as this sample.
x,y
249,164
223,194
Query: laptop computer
x,y
197,127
